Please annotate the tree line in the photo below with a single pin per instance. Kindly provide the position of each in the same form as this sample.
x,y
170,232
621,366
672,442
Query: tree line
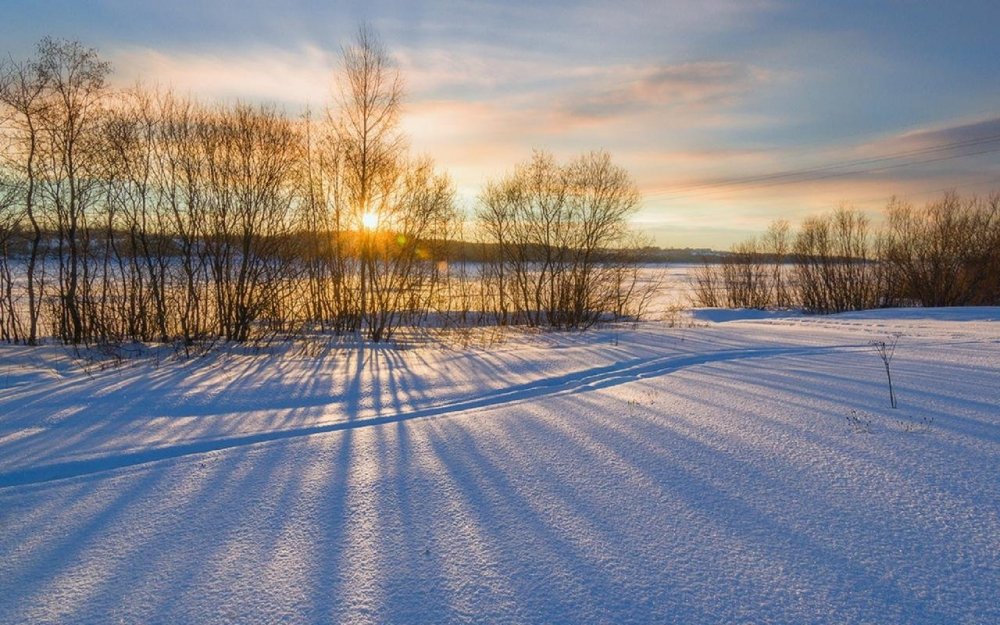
x,y
944,253
141,215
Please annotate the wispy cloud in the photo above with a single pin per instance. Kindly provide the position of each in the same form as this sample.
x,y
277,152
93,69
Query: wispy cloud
x,y
292,77
686,88
435,72
961,133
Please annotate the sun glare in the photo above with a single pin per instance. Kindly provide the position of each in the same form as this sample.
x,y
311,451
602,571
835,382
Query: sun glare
x,y
369,221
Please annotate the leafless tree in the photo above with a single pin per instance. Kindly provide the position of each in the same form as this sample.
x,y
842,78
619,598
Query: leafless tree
x,y
23,96
776,244
369,146
708,290
633,289
553,230
746,276
10,223
251,155
180,174
403,255
946,253
314,225
604,255
838,264
385,211
74,77
136,253
751,275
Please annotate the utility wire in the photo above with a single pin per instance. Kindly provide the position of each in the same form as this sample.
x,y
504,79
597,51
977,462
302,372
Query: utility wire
x,y
854,163
830,171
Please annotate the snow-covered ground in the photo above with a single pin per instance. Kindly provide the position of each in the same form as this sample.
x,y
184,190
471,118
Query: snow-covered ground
x,y
740,469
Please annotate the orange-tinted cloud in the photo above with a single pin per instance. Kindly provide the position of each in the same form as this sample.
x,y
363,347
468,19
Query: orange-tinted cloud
x,y
684,88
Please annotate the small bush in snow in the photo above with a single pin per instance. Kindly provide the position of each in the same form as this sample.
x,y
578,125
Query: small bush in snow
x,y
912,425
859,422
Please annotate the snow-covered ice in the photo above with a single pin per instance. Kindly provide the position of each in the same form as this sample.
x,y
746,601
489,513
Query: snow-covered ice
x,y
656,474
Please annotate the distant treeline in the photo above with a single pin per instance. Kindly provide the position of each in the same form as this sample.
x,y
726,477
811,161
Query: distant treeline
x,y
139,215
456,251
945,253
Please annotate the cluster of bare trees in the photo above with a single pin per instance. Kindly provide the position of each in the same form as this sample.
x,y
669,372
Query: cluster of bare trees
x,y
52,109
837,264
752,275
138,215
946,253
562,254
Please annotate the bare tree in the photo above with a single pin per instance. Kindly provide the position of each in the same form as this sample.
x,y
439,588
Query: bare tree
x,y
945,253
368,142
495,219
526,212
776,244
10,222
555,231
601,198
746,276
22,94
251,155
751,275
837,264
404,256
320,247
180,173
74,78
137,237
709,291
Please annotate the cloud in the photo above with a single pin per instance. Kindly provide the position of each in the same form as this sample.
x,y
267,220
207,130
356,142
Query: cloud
x,y
685,87
439,72
970,134
291,77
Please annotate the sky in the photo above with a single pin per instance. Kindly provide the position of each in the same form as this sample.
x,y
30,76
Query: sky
x,y
728,114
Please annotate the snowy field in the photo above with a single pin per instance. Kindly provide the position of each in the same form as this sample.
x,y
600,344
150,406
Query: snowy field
x,y
732,469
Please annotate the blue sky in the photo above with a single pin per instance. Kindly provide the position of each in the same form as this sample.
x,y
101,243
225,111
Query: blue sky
x,y
694,98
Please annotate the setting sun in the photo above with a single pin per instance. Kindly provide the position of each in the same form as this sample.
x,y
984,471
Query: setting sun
x,y
369,220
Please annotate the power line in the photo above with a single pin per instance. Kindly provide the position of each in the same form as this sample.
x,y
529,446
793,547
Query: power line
x,y
854,163
830,171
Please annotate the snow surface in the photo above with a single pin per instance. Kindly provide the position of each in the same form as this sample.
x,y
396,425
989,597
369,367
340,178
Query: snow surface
x,y
656,474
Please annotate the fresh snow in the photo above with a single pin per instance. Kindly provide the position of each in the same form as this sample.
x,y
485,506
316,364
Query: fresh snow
x,y
738,468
